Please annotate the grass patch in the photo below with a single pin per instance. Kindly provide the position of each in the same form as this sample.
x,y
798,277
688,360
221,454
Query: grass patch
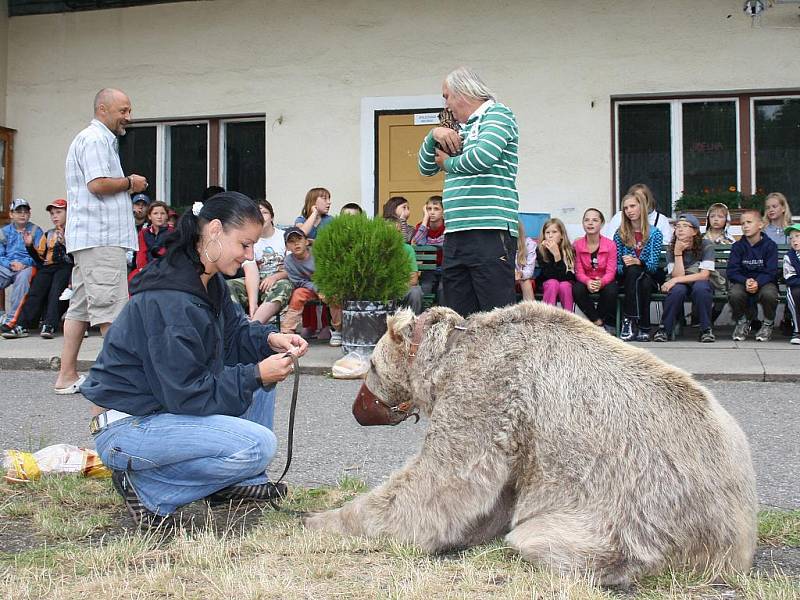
x,y
780,528
255,554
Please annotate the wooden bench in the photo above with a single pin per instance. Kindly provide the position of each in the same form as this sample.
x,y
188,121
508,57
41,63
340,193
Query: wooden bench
x,y
426,261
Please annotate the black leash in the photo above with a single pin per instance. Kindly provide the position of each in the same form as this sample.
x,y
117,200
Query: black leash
x,y
292,407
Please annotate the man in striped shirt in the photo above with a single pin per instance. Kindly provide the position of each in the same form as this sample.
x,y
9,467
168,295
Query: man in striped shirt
x,y
480,194
100,228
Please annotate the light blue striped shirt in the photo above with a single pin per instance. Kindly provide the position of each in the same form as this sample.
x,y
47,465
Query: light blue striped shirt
x,y
94,221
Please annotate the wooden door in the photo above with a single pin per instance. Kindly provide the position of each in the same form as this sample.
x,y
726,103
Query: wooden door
x,y
399,140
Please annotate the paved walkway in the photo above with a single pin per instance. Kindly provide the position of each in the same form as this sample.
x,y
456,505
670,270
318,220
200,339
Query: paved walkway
x,y
776,360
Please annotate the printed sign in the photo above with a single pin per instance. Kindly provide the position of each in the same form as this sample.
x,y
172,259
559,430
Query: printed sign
x,y
426,119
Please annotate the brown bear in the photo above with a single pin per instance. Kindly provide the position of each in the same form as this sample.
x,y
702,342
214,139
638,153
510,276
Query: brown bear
x,y
588,454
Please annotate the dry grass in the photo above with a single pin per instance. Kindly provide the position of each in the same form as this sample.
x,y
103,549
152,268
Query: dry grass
x,y
272,556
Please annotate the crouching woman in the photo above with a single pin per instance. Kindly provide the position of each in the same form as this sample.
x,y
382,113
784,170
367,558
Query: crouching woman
x,y
178,371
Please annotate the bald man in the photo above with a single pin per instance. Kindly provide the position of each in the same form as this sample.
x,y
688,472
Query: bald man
x,y
100,228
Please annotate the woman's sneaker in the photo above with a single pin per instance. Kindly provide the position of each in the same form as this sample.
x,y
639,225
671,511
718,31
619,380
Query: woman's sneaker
x,y
48,332
142,516
270,492
627,332
795,341
18,331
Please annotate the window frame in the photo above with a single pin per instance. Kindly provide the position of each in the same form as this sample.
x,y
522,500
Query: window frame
x,y
676,139
215,151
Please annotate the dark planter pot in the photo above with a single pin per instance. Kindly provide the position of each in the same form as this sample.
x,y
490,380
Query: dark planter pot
x,y
363,324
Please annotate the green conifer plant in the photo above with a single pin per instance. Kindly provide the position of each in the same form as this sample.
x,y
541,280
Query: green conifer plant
x,y
358,258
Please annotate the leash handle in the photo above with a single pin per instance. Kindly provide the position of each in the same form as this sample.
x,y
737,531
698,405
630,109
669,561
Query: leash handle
x,y
292,407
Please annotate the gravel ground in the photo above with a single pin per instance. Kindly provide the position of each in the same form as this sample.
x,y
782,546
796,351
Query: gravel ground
x,y
329,443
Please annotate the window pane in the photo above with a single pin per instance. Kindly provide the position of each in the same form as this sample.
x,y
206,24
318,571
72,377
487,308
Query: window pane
x,y
137,152
244,158
709,146
777,135
187,171
644,150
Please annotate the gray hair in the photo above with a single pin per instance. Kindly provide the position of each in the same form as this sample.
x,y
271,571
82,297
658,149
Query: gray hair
x,y
463,81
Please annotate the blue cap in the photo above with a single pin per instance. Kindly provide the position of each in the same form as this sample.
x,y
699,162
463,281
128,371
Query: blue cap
x,y
140,198
690,219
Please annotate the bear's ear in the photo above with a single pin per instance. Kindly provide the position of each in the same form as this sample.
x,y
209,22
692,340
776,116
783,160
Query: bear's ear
x,y
400,325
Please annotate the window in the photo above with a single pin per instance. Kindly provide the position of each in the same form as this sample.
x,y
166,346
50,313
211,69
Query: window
x,y
181,158
750,141
710,154
676,145
187,162
645,150
777,147
244,163
137,151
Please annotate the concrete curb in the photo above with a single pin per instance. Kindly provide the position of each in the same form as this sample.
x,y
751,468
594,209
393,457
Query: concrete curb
x,y
54,363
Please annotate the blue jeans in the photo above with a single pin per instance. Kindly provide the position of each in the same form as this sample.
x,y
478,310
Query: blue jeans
x,y
702,295
173,460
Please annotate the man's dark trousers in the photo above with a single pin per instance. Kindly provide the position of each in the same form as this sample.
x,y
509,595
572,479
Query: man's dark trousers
x,y
478,270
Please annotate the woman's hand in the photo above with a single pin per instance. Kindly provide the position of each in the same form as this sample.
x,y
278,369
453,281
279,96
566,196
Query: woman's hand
x,y
630,260
275,368
288,342
594,286
668,285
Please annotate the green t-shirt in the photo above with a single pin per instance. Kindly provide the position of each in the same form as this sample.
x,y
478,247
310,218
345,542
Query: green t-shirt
x,y
412,257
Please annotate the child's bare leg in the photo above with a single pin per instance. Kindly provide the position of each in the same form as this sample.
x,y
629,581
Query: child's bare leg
x,y
526,285
266,311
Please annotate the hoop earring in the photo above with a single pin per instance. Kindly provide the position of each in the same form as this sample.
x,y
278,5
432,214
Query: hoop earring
x,y
205,250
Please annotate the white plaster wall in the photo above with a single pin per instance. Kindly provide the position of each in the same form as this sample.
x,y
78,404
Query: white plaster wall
x,y
3,58
311,63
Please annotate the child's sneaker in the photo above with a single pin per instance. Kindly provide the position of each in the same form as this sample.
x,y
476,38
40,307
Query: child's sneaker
x,y
336,338
48,332
795,341
661,335
707,336
765,333
15,332
741,331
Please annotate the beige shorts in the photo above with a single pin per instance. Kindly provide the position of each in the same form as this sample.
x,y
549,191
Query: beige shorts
x,y
99,285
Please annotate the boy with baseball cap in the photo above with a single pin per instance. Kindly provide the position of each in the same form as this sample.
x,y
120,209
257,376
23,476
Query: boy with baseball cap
x,y
299,265
16,265
791,274
52,277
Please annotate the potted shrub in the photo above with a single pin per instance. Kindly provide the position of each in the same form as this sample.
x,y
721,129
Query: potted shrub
x,y
698,203
361,264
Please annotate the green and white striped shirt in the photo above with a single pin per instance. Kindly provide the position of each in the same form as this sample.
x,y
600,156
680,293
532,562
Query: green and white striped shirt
x,y
480,184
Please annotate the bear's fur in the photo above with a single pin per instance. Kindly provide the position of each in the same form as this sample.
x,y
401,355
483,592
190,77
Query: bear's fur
x,y
590,455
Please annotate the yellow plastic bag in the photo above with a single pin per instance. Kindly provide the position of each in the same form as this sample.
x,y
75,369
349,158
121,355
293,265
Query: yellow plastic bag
x,y
59,458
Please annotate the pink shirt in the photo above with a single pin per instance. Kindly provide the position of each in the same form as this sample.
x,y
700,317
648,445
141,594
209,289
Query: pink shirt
x,y
606,269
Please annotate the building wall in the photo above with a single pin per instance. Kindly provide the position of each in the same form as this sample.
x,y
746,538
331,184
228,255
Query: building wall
x,y
3,58
308,64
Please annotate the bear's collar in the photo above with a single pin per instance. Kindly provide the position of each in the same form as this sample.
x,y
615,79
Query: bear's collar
x,y
419,331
